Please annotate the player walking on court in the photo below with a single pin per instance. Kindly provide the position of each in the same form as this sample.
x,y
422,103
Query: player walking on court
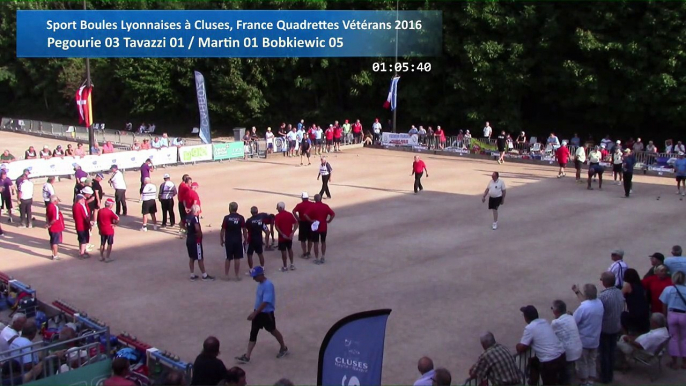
x,y
184,187
320,215
325,170
418,169
304,226
263,315
562,155
107,219
495,191
286,225
256,226
232,237
82,223
305,146
594,167
55,225
194,244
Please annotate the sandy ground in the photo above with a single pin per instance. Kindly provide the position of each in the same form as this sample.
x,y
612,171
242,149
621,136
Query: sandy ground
x,y
432,258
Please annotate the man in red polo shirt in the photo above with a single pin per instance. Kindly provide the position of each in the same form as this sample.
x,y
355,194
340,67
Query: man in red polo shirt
x,y
55,225
337,138
328,134
286,225
562,155
182,192
107,219
191,197
82,223
304,226
320,215
357,131
418,169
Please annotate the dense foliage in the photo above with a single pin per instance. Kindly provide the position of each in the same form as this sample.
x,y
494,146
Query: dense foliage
x,y
600,67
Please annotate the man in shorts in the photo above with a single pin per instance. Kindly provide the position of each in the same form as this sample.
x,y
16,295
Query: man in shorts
x,y
55,225
291,136
194,244
495,191
263,315
232,237
680,170
184,187
305,146
617,161
255,225
328,136
107,219
320,215
304,226
82,224
579,159
501,142
338,136
562,156
149,204
594,167
286,225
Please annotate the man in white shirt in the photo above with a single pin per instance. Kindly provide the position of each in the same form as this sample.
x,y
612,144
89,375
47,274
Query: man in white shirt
x,y
618,267
22,344
149,205
167,193
164,141
25,196
426,369
376,130
567,332
579,159
589,321
318,140
292,138
488,130
495,191
48,190
650,341
119,185
12,331
269,137
539,336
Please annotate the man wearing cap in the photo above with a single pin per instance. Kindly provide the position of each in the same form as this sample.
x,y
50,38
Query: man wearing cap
x,y
680,170
269,137
107,220
82,224
320,215
286,225
676,262
119,185
496,192
617,164
87,192
618,267
58,152
418,169
325,170
8,190
167,194
149,205
656,259
46,153
594,167
146,168
255,225
549,362
304,226
263,315
78,172
48,191
562,155
98,194
55,225
194,244
628,163
78,186
232,237
376,130
25,196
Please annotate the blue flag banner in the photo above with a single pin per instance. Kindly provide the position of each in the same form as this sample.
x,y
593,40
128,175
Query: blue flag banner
x,y
352,351
204,111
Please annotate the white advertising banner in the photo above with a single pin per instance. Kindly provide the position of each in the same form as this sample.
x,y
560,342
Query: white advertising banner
x,y
195,153
399,139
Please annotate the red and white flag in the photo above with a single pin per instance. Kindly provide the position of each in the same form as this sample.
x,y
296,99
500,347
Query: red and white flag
x,y
392,99
84,105
80,102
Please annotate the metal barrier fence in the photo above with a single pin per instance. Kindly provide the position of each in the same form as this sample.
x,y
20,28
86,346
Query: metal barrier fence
x,y
121,138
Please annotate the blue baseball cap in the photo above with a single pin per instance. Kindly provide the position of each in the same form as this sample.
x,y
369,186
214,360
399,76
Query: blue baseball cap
x,y
257,271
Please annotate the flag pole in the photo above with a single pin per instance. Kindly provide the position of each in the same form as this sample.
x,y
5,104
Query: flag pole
x,y
91,135
395,112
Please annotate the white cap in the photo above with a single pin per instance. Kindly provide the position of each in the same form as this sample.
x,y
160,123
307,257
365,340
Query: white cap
x,y
602,145
304,195
87,190
83,179
618,141
166,176
281,205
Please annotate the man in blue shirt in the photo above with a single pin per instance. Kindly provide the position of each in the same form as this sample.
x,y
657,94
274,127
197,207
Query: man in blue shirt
x,y
676,262
680,169
263,315
628,171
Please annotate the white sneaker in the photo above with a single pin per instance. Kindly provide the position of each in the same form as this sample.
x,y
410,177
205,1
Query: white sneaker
x,y
495,225
144,229
619,183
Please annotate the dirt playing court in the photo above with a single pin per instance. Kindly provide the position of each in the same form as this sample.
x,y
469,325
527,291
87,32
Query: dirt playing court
x,y
432,258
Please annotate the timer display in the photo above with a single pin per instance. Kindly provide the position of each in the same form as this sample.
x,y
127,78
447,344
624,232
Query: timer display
x,y
401,67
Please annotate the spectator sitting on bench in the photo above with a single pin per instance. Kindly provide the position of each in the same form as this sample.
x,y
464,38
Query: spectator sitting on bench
x,y
649,342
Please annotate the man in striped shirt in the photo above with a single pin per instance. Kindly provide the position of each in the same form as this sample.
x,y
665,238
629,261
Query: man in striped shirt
x,y
167,194
325,170
613,305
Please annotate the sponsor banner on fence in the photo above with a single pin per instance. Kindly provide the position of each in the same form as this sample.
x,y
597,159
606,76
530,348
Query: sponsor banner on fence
x,y
399,139
228,150
90,375
195,153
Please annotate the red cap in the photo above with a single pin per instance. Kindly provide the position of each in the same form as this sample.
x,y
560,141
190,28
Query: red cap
x,y
195,185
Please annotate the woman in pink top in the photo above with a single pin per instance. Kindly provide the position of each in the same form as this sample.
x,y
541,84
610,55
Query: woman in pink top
x,y
145,145
107,148
79,152
441,137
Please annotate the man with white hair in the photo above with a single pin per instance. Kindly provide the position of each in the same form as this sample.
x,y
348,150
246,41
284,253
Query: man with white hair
x,y
562,156
82,224
589,321
286,225
107,219
12,331
55,225
194,244
25,196
496,192
579,159
119,185
167,193
567,332
320,215
617,161
649,341
48,191
495,364
149,205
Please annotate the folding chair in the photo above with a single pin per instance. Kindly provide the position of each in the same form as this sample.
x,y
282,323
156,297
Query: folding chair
x,y
650,360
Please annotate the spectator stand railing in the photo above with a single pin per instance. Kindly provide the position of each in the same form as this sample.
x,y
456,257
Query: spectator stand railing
x,y
19,297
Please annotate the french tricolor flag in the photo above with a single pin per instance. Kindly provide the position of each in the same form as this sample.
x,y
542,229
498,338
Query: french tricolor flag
x,y
392,100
